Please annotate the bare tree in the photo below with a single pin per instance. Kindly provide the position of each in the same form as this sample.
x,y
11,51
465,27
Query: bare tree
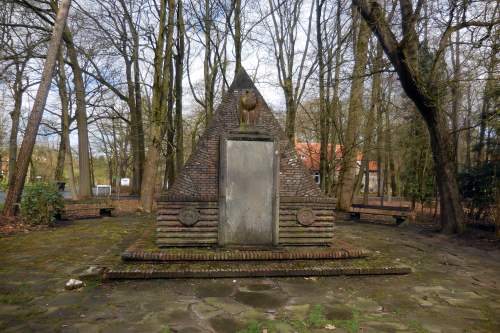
x,y
15,189
419,83
290,62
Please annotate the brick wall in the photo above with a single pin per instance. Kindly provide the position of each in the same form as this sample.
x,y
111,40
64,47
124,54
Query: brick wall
x,y
171,232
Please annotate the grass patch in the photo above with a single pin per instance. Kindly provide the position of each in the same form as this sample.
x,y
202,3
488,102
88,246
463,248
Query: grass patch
x,y
315,319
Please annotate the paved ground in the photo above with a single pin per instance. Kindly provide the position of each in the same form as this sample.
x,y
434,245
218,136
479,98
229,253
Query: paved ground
x,y
454,288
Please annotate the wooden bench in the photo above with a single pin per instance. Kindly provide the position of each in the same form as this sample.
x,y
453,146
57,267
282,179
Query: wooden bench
x,y
400,214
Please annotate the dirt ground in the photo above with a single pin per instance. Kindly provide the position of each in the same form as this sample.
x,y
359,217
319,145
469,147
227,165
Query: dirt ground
x,y
455,287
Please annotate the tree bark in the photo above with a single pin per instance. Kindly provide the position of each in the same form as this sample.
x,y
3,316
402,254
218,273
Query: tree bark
x,y
161,84
468,133
350,149
135,105
237,34
456,94
14,116
370,120
16,189
324,130
85,190
209,93
389,162
179,71
170,151
486,105
61,155
334,105
65,122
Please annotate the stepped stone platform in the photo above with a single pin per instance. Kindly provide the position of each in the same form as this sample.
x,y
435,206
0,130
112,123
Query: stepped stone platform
x,y
144,260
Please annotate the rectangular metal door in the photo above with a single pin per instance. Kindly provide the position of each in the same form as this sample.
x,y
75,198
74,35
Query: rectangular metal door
x,y
249,193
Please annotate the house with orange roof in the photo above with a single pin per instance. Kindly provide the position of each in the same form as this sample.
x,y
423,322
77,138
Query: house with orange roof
x,y
309,153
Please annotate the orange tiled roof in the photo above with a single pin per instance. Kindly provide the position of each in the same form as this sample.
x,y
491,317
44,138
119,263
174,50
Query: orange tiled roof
x,y
309,153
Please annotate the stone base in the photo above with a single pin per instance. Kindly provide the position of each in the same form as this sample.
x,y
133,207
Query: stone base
x,y
250,269
144,249
143,260
237,255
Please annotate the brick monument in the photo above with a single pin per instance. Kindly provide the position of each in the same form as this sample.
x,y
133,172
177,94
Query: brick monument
x,y
244,184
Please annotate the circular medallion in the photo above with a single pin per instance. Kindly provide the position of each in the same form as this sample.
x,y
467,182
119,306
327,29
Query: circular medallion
x,y
305,216
189,216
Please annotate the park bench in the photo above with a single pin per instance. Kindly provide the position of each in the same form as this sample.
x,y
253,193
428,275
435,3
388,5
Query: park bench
x,y
400,214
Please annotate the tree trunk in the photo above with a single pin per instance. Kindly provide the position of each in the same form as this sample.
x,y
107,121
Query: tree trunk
x,y
456,96
389,161
291,111
497,213
367,183
237,34
324,127
450,208
380,149
59,173
16,189
161,84
350,149
85,189
468,133
335,106
135,137
63,95
209,102
139,128
61,154
92,170
485,108
170,153
135,105
14,116
370,120
179,71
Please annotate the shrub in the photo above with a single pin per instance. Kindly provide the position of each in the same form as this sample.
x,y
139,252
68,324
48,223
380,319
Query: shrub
x,y
4,185
41,203
478,187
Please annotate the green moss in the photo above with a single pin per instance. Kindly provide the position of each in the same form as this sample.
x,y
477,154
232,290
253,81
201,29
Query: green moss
x,y
350,325
14,299
416,327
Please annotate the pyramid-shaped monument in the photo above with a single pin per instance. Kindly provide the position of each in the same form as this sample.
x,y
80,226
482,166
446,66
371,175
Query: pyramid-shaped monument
x,y
244,184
